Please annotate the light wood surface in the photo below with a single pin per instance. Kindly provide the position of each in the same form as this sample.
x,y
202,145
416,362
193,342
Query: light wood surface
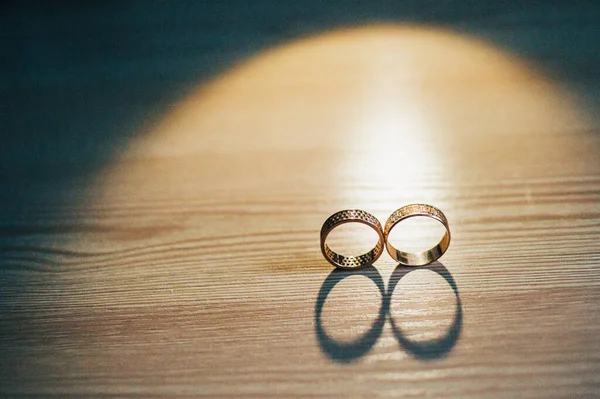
x,y
171,249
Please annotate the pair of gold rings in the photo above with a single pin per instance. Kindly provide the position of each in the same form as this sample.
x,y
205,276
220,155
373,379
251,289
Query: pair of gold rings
x,y
405,258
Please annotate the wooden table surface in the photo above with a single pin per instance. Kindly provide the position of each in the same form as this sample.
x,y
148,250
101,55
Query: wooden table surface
x,y
166,170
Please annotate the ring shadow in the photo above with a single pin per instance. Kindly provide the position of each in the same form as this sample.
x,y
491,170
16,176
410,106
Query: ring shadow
x,y
431,349
342,352
348,352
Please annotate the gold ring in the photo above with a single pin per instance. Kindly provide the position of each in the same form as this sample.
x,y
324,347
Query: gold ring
x,y
422,258
348,216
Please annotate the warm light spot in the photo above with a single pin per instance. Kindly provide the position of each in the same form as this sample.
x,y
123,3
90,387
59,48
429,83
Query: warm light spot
x,y
395,107
374,118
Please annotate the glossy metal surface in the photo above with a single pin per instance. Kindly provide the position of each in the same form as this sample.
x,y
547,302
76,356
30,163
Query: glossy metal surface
x,y
349,216
419,258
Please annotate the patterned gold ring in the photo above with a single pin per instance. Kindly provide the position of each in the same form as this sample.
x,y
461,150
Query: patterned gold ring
x,y
422,258
348,216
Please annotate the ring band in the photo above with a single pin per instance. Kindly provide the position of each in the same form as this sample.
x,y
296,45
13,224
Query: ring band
x,y
348,216
422,258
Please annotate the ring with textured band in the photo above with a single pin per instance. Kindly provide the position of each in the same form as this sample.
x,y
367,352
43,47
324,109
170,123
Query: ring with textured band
x,y
420,258
349,216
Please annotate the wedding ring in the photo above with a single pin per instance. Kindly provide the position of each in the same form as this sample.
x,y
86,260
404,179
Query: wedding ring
x,y
348,216
422,258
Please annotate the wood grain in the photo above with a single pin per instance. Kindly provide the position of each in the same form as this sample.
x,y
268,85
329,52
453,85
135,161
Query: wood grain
x,y
187,263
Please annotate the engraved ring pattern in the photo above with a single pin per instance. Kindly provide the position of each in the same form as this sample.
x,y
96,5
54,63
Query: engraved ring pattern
x,y
349,216
422,258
